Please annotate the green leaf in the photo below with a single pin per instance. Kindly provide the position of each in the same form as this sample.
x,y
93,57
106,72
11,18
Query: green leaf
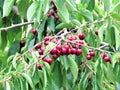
x,y
115,6
74,68
116,16
45,78
91,5
49,47
7,86
7,7
101,31
117,86
46,6
71,6
65,25
107,5
51,23
32,11
87,14
117,37
22,7
14,48
76,22
63,12
14,63
29,80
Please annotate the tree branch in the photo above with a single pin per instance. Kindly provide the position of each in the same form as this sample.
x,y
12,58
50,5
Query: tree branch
x,y
16,25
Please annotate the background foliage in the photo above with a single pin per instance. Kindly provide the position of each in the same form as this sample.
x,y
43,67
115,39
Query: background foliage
x,y
18,67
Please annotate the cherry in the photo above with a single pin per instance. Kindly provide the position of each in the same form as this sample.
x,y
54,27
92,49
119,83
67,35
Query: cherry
x,y
48,60
107,59
96,32
64,50
59,47
52,12
69,51
56,17
79,51
40,52
103,55
55,56
66,46
92,53
40,66
59,52
54,51
39,45
81,36
46,42
81,42
74,51
69,37
34,32
42,48
48,15
47,38
74,37
88,57
22,43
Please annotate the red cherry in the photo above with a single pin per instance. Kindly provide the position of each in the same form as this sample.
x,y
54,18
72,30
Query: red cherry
x,y
42,48
88,57
64,50
92,53
52,12
48,60
107,59
34,32
39,45
40,52
55,56
74,37
22,43
47,38
56,17
69,51
69,37
81,42
46,42
81,36
66,46
96,32
40,66
54,51
74,51
103,55
48,15
59,47
79,51
59,52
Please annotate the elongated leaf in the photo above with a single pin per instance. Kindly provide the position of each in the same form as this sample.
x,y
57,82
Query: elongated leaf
x,y
29,80
87,14
32,11
63,12
65,25
73,67
107,5
46,6
7,7
45,78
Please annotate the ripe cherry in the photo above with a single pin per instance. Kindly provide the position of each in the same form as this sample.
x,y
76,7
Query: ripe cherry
x,y
56,17
42,48
81,36
64,50
34,32
39,45
103,55
47,38
59,47
69,51
88,57
79,51
74,37
69,37
46,42
55,56
92,53
48,15
96,32
52,12
22,43
40,66
40,52
48,60
54,51
74,51
66,46
106,59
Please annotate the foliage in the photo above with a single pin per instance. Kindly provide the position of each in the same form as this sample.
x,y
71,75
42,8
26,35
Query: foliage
x,y
19,62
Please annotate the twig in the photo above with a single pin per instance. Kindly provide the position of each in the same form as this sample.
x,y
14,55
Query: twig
x,y
5,80
16,25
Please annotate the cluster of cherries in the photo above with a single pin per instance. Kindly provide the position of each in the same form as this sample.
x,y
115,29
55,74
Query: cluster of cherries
x,y
53,11
73,46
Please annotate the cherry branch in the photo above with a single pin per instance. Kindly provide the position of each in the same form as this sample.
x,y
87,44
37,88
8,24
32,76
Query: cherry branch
x,y
16,25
